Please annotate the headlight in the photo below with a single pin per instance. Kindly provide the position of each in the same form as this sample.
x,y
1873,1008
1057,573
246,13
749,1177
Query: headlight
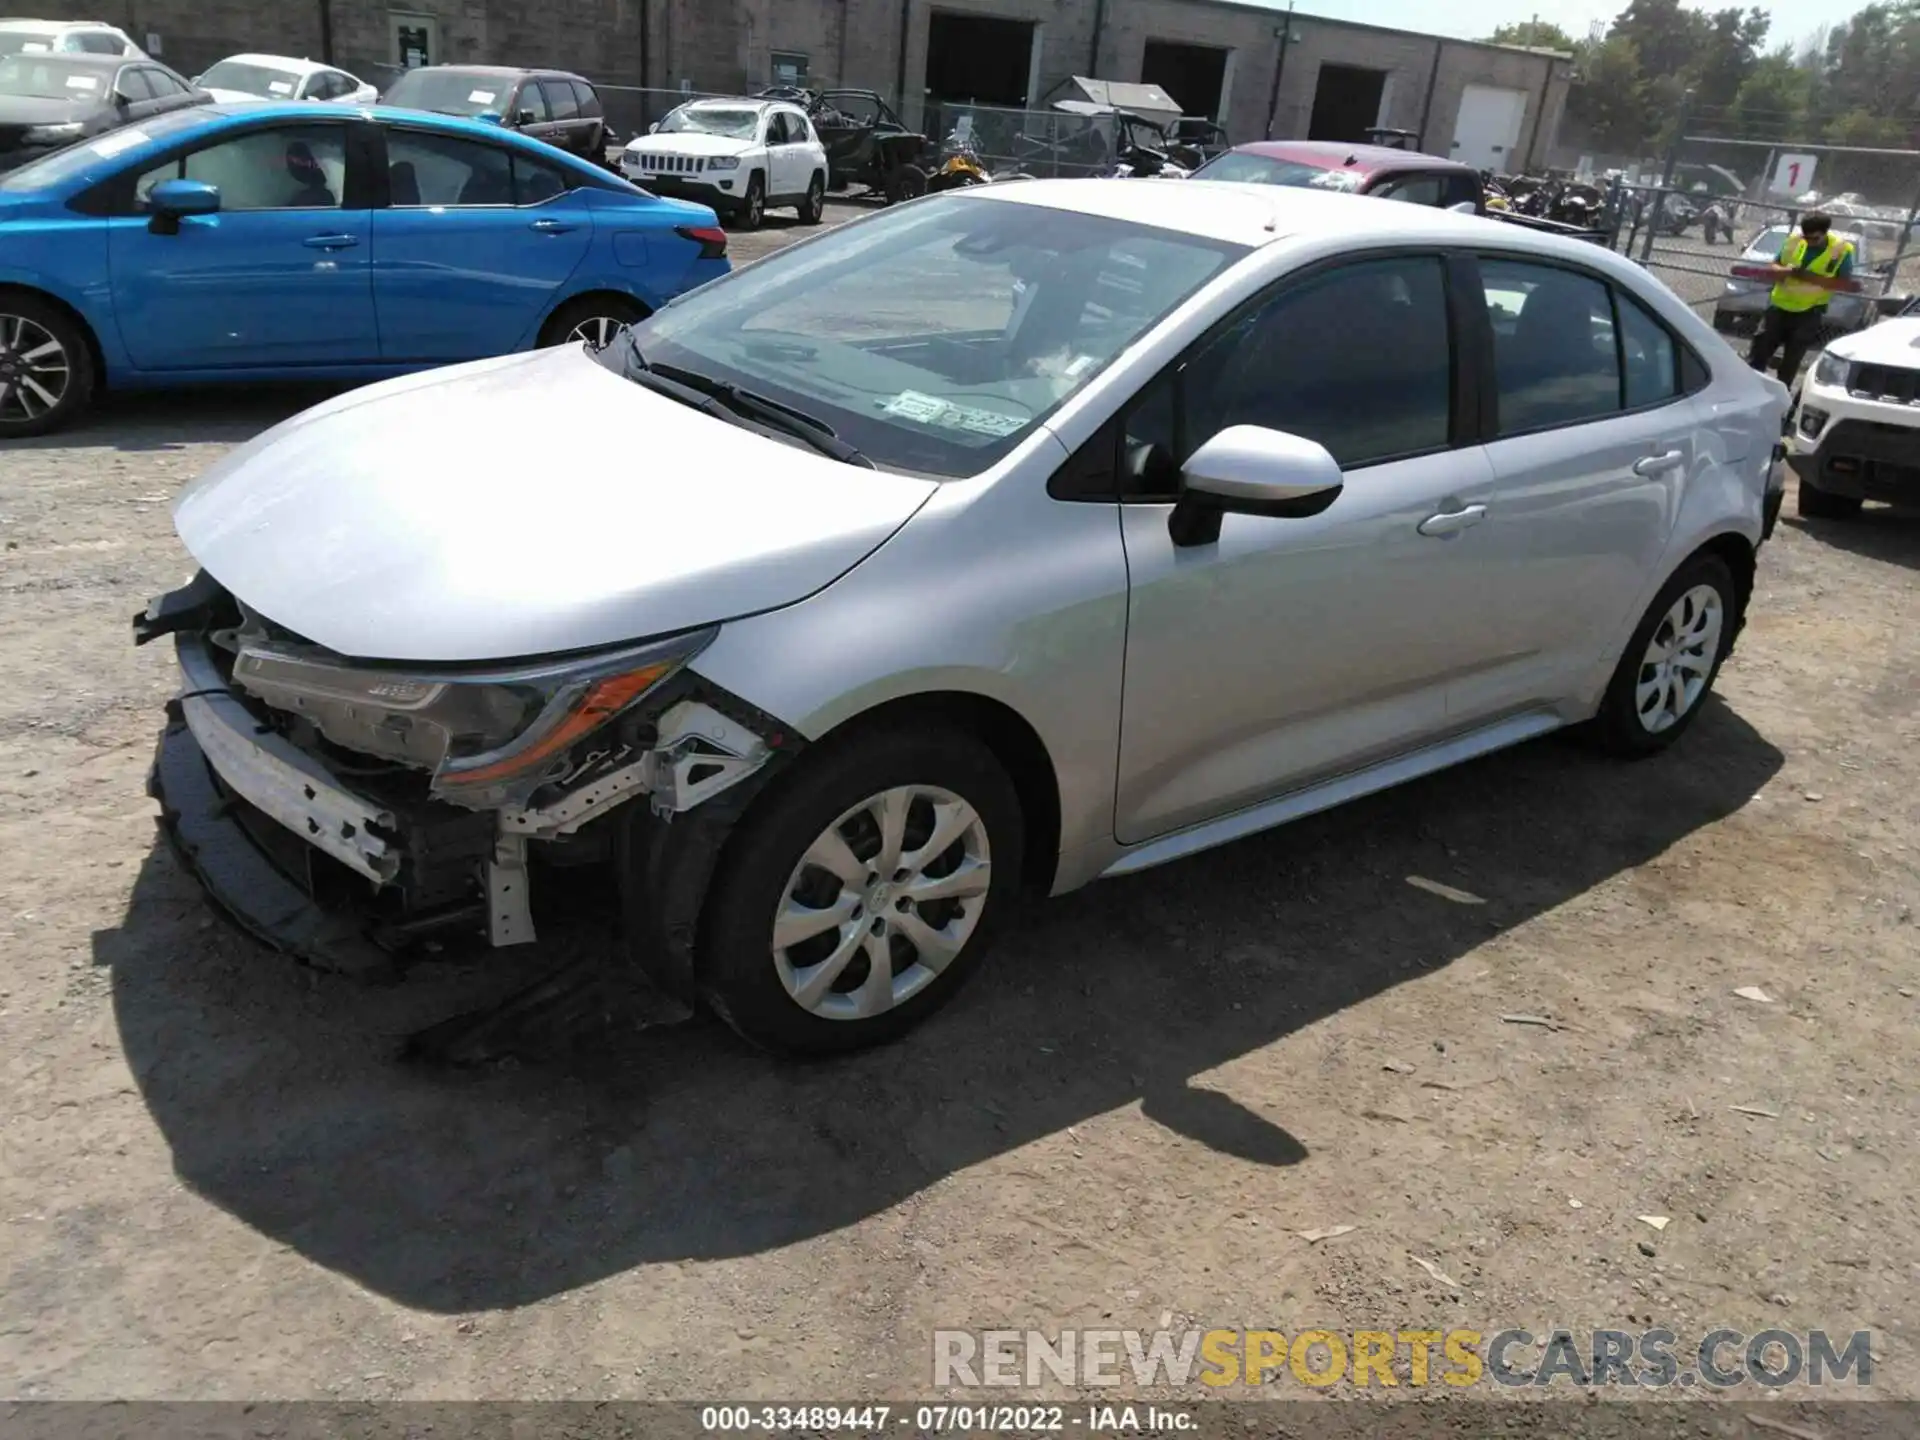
x,y
490,738
723,162
1830,369
53,134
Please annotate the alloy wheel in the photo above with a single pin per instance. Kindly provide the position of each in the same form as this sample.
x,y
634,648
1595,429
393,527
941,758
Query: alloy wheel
x,y
1680,658
881,902
597,331
35,369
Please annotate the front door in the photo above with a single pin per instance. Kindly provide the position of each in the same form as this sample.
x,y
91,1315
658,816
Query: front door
x,y
1590,458
279,277
472,246
1293,649
786,161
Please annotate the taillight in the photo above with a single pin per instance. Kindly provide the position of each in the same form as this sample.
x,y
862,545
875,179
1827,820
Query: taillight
x,y
711,239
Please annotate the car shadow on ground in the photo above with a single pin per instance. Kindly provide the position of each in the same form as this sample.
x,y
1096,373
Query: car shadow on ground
x,y
281,1098
149,421
1876,533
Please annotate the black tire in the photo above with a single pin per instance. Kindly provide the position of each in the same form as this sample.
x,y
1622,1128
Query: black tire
x,y
1812,504
905,182
752,210
604,312
1619,728
28,325
813,207
738,973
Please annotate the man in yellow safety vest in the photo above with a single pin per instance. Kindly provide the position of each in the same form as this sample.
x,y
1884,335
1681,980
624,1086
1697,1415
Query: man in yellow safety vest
x,y
1811,266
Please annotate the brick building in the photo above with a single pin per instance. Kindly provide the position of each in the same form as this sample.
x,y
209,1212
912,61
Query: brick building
x,y
1240,63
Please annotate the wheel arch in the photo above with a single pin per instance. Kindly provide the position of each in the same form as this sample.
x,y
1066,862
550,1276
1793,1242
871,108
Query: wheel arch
x,y
87,332
588,291
1011,739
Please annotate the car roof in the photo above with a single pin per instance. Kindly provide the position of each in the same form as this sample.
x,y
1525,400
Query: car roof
x,y
279,62
16,22
1256,215
1360,159
500,72
85,61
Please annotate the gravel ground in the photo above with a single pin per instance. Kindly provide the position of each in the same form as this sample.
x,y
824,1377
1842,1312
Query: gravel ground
x,y
218,1182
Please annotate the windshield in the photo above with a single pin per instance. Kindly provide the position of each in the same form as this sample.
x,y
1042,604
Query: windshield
x,y
248,79
1251,169
48,77
451,92
12,42
935,337
712,120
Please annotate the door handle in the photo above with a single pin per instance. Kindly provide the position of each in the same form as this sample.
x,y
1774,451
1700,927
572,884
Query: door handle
x,y
1452,522
552,227
1659,464
331,242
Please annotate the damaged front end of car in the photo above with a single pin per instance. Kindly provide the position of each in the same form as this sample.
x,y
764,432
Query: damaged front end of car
x,y
356,813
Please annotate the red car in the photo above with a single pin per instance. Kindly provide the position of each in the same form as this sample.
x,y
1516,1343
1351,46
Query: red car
x,y
1381,170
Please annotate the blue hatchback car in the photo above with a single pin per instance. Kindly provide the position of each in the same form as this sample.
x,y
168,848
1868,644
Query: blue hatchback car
x,y
271,241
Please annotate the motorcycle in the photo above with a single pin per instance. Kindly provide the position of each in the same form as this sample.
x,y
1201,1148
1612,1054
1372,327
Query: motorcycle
x,y
960,166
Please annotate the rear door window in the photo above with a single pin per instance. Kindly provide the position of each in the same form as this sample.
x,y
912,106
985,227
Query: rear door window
x,y
560,98
1556,359
586,99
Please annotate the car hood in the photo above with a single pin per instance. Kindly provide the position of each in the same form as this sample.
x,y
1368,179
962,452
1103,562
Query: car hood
x,y
32,110
525,506
689,142
1891,342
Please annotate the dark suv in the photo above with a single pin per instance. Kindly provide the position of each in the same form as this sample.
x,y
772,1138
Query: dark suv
x,y
549,105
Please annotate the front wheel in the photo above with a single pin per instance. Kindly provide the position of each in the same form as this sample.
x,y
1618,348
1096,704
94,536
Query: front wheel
x,y
905,182
46,369
858,894
753,209
1671,661
1812,504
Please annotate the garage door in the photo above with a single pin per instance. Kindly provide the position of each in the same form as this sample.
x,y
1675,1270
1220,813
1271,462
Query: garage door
x,y
1487,133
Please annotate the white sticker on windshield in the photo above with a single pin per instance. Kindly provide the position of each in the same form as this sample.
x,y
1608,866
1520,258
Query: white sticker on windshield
x,y
33,47
481,97
279,87
82,82
932,410
912,405
111,145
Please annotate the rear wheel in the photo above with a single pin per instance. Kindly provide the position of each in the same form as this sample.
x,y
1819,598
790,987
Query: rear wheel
x,y
1671,661
814,206
46,369
905,182
592,320
858,895
1812,504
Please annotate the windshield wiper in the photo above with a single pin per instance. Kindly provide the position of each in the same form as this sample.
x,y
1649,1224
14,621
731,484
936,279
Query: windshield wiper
x,y
810,430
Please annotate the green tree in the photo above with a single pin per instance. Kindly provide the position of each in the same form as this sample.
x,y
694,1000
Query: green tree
x,y
1773,101
1533,35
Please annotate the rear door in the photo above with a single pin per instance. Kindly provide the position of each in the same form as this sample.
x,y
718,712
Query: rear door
x,y
1593,441
566,129
279,277
471,245
786,160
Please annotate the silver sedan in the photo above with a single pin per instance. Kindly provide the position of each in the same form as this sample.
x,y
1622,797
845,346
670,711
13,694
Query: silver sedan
x,y
1004,540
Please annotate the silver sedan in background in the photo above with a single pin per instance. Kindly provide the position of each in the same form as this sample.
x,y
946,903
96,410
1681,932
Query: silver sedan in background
x,y
1004,540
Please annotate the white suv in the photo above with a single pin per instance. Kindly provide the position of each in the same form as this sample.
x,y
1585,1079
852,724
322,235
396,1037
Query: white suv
x,y
739,156
60,37
1855,432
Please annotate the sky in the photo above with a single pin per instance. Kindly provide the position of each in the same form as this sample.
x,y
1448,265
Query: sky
x,y
1476,19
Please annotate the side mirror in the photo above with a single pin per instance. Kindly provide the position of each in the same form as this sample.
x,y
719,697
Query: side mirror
x,y
1250,470
525,118
654,128
168,201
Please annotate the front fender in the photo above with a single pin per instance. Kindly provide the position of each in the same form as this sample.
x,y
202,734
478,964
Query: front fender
x,y
91,300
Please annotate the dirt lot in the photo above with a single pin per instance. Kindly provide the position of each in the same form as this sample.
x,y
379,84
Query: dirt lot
x,y
218,1182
